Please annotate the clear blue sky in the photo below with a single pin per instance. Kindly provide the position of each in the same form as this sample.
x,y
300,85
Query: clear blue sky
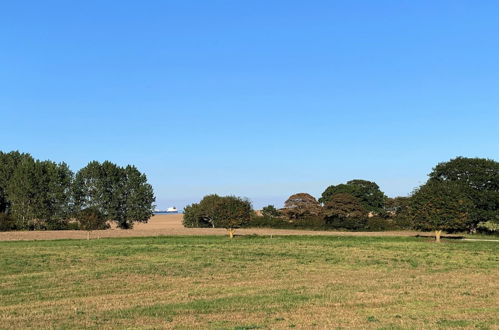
x,y
255,98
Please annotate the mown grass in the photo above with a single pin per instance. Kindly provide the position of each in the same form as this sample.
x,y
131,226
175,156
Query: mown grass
x,y
249,283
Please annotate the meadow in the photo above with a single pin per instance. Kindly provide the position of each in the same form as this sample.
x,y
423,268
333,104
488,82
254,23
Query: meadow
x,y
249,282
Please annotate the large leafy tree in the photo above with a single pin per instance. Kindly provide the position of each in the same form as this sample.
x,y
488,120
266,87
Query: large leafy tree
x,y
368,193
478,178
346,212
300,206
440,206
8,164
39,190
229,212
119,194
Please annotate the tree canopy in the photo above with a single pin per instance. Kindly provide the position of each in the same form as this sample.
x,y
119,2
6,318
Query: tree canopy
x,y
45,195
345,211
367,192
440,206
478,179
229,212
301,205
120,194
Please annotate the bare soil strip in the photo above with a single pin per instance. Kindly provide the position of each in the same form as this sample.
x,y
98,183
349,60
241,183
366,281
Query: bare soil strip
x,y
171,225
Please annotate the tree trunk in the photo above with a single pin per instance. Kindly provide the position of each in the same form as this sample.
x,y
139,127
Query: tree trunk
x,y
230,232
438,233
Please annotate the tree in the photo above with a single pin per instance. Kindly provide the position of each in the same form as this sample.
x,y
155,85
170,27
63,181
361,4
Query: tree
x,y
440,206
8,164
227,212
345,211
270,211
38,193
120,194
478,178
138,196
232,212
396,208
368,193
301,205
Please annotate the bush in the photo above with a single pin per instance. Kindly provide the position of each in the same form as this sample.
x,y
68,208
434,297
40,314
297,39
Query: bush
x,y
6,222
314,223
381,224
488,227
91,219
59,224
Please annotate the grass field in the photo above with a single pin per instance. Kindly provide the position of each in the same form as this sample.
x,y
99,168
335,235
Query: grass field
x,y
248,283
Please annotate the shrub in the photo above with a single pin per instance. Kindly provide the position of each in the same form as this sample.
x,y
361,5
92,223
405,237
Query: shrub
x,y
488,227
6,222
270,211
381,224
91,219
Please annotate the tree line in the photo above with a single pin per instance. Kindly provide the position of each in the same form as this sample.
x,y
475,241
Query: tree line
x,y
37,195
460,195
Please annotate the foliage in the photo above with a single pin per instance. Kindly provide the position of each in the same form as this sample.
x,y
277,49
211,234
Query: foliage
x,y
218,212
8,164
368,193
270,211
440,206
382,224
300,206
6,222
91,219
38,193
44,195
344,211
488,227
119,194
478,178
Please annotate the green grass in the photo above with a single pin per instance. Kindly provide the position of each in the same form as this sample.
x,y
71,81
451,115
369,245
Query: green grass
x,y
249,283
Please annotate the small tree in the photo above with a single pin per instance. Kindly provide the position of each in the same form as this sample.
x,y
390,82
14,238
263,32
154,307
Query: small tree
x,y
214,211
232,212
345,211
440,206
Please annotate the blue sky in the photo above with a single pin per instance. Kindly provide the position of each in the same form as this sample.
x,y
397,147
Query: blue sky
x,y
255,98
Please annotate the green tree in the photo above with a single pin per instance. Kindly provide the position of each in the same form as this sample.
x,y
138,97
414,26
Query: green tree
x,y
8,164
368,193
344,211
440,206
138,197
478,178
120,194
39,194
227,212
